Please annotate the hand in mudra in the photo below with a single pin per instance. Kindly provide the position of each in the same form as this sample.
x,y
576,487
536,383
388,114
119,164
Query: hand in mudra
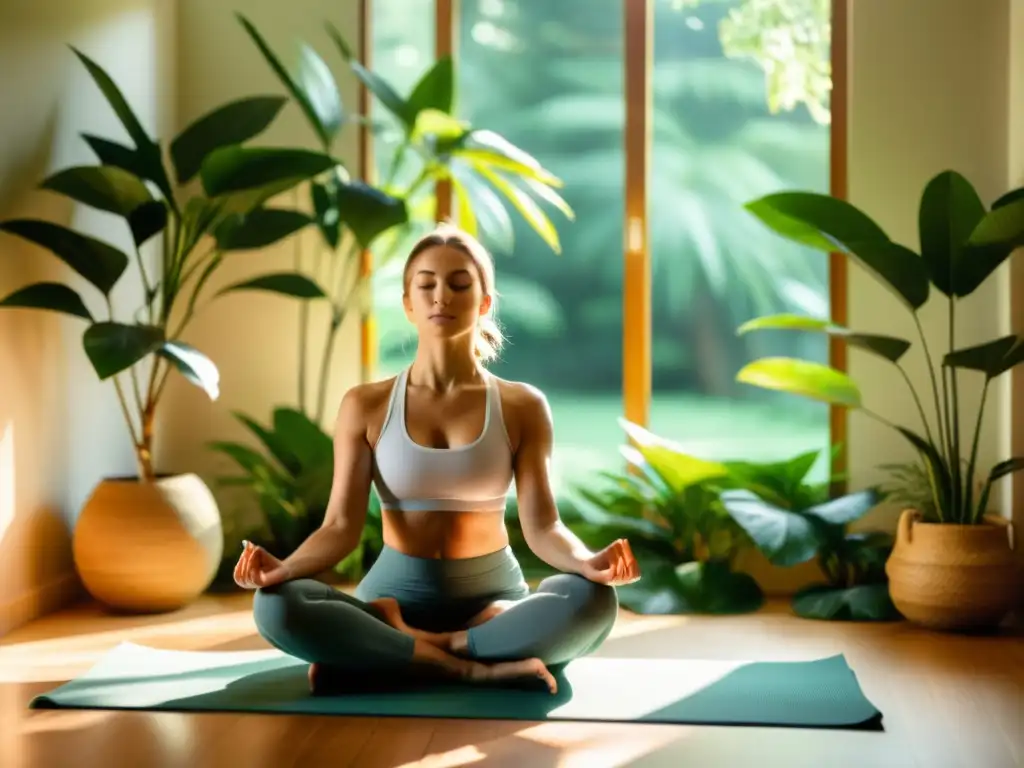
x,y
258,568
614,565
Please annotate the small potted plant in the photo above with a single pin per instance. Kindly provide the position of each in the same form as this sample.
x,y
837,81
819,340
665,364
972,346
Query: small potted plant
x,y
952,566
153,541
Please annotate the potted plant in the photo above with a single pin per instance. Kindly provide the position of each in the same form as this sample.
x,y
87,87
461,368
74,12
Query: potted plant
x,y
952,566
290,472
153,541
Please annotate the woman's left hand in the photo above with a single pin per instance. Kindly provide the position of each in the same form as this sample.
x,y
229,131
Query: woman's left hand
x,y
614,565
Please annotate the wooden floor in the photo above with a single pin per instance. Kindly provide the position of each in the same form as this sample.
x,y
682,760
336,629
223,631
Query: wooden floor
x,y
947,701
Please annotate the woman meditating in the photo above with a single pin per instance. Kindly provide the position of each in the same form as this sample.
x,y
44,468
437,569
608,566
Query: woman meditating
x,y
442,443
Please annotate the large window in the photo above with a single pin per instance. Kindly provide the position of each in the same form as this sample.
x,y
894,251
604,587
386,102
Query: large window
x,y
551,77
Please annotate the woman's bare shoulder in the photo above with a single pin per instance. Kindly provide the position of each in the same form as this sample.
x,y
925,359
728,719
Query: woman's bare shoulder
x,y
364,401
526,399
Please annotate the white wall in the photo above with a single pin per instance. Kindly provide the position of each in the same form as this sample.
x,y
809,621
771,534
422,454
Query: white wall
x,y
60,429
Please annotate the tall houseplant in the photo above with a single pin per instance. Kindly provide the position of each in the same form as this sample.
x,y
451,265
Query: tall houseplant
x,y
355,217
134,531
952,564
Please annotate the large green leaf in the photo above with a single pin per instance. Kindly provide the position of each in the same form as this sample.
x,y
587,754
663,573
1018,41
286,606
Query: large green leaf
x,y
435,90
105,187
978,264
259,228
325,209
782,483
114,347
235,168
313,88
99,263
286,283
868,602
144,160
950,209
526,205
800,377
678,469
367,211
55,297
303,437
193,365
377,85
989,358
829,224
147,220
786,538
271,441
251,461
889,347
227,125
1010,197
846,509
1001,226
116,100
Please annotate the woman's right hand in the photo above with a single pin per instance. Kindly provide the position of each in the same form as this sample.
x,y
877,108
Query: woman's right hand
x,y
258,568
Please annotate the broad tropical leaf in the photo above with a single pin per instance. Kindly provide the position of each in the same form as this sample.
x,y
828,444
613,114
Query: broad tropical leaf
x,y
889,347
313,88
55,297
800,377
368,211
989,358
259,228
233,123
786,538
114,347
678,469
846,509
303,437
868,602
286,283
105,187
829,224
379,87
950,209
99,263
193,365
435,90
1001,226
238,169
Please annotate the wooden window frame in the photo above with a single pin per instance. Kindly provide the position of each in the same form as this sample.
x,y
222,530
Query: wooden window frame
x,y
637,363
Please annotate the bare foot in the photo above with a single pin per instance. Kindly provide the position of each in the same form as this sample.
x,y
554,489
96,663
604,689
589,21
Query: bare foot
x,y
525,670
393,616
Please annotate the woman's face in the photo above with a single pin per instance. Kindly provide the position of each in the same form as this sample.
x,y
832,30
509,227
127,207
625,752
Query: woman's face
x,y
444,294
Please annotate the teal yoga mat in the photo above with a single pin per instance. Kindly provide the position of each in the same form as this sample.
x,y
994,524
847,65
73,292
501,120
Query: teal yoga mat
x,y
812,694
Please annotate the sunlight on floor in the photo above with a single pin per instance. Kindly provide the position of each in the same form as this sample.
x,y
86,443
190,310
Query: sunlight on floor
x,y
638,625
6,478
64,657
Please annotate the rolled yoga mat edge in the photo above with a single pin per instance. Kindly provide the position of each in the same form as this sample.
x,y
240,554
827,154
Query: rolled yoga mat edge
x,y
822,693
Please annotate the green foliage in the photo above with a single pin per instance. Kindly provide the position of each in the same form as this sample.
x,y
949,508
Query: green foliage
x,y
133,182
291,479
791,40
961,244
669,506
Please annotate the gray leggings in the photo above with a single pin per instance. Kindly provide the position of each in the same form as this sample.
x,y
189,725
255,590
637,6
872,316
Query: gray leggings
x,y
566,617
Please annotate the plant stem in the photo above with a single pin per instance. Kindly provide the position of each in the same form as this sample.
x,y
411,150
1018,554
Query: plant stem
x,y
955,468
123,402
146,286
303,325
917,400
931,373
339,310
974,455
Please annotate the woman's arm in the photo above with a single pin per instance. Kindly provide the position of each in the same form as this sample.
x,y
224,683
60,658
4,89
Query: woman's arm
x,y
345,516
546,535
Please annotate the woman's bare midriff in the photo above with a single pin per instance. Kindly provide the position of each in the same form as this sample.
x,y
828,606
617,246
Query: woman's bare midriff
x,y
442,534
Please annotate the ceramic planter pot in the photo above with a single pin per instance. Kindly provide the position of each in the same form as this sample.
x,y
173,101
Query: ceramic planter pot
x,y
954,577
148,547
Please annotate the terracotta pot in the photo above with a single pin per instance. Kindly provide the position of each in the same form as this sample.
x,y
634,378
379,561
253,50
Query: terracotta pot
x,y
148,547
953,577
